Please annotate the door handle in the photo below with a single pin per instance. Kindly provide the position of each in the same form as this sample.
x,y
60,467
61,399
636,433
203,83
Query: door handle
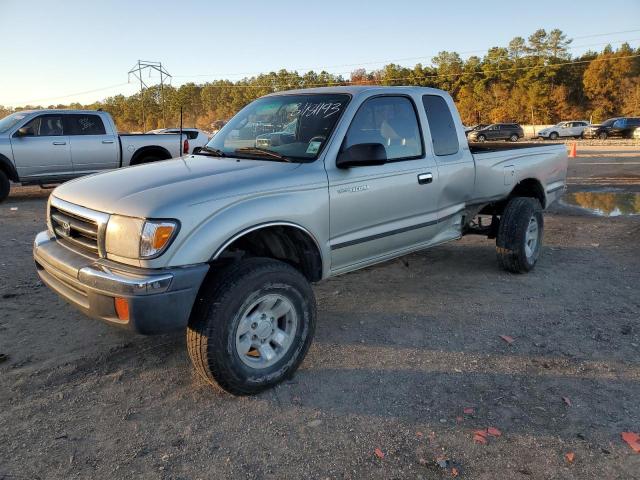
x,y
424,178
107,141
59,143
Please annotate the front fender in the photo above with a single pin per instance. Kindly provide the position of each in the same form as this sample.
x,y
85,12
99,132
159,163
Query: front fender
x,y
307,209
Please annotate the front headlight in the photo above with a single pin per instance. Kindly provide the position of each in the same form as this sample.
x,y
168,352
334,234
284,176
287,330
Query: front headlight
x,y
137,238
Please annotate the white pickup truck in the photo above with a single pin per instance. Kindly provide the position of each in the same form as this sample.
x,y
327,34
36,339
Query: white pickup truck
x,y
52,146
299,186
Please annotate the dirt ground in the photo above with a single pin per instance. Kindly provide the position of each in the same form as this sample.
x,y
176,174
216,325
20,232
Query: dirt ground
x,y
401,350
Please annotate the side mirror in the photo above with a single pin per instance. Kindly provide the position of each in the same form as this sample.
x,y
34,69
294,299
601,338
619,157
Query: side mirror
x,y
362,154
23,132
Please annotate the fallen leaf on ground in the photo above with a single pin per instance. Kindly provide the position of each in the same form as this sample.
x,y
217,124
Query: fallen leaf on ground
x,y
419,434
477,438
633,439
454,472
507,339
468,410
494,432
570,457
567,401
379,453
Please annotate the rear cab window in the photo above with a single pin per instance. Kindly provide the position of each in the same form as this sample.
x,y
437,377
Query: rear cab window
x,y
443,130
83,124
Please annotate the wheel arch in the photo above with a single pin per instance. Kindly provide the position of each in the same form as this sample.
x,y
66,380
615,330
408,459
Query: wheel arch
x,y
529,187
281,240
9,169
161,152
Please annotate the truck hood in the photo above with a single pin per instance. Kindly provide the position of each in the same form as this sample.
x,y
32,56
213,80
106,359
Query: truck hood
x,y
156,189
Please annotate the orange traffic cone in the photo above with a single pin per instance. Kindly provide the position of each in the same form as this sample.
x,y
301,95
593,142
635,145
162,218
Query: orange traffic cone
x,y
573,151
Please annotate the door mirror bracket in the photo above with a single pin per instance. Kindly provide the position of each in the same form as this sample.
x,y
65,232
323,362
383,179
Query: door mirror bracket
x,y
362,154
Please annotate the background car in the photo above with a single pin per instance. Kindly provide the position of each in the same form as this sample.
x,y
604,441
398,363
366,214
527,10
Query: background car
x,y
197,138
636,133
572,128
613,127
497,131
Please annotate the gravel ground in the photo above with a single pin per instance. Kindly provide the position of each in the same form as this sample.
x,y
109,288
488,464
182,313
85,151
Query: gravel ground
x,y
407,359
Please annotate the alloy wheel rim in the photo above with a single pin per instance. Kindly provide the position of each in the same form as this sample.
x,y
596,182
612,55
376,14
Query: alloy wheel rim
x,y
266,331
531,238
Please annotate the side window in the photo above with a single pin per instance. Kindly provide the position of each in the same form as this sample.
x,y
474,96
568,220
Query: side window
x,y
84,125
443,130
45,126
390,121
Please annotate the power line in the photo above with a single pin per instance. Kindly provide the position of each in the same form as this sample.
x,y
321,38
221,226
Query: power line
x,y
422,57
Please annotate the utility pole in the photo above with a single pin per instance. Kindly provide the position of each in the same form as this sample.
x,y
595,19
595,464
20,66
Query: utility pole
x,y
136,71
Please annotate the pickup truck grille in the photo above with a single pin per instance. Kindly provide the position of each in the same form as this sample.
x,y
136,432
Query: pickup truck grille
x,y
74,230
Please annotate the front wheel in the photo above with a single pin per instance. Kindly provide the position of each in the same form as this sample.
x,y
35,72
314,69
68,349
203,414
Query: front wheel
x,y
553,136
481,138
251,326
519,239
513,138
602,135
5,186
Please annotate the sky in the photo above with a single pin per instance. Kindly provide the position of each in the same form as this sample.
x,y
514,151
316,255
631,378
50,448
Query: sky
x,y
66,51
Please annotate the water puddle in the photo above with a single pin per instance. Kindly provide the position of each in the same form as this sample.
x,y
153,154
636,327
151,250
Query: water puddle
x,y
606,204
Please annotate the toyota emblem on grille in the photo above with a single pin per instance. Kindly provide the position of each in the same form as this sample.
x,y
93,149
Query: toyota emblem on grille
x,y
66,229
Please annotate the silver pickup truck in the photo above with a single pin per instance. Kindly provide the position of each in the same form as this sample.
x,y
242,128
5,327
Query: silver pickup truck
x,y
52,146
299,186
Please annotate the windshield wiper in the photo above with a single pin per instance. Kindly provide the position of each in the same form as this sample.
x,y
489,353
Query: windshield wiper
x,y
262,152
213,152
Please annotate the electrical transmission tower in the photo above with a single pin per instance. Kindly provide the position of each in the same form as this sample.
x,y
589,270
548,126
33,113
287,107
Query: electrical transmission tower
x,y
136,71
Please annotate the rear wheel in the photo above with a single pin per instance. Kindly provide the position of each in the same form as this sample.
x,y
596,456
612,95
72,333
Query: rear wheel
x,y
513,138
602,135
252,325
519,239
5,186
553,136
481,138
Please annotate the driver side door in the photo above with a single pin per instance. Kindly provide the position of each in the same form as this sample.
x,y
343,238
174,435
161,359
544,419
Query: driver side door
x,y
382,210
44,153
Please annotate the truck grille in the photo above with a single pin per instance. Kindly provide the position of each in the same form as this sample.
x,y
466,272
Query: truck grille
x,y
77,227
77,231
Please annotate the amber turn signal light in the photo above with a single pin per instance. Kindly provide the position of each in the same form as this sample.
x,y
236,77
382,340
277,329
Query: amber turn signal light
x,y
122,308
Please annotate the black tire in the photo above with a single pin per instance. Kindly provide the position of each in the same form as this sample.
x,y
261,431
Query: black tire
x,y
219,308
514,138
602,135
511,242
481,138
5,186
553,136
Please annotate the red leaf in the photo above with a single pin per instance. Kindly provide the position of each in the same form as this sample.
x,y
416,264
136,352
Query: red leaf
x,y
454,472
570,457
494,432
468,411
479,439
507,339
633,439
379,453
567,401
419,434
482,433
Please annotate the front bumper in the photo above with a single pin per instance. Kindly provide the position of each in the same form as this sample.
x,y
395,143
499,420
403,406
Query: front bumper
x,y
159,300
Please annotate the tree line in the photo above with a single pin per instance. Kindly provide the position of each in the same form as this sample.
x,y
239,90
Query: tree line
x,y
536,80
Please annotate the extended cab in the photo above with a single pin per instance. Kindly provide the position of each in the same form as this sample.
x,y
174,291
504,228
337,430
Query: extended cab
x,y
299,186
52,146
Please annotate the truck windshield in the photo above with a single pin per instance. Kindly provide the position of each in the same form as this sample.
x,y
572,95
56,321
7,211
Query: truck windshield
x,y
9,121
280,128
